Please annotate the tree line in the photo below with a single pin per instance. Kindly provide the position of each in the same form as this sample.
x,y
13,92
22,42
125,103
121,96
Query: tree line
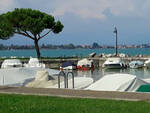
x,y
50,46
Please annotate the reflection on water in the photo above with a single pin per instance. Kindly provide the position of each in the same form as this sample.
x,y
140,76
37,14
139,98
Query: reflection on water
x,y
98,73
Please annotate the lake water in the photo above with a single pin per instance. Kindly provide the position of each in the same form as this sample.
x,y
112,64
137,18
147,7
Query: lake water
x,y
97,73
142,73
72,52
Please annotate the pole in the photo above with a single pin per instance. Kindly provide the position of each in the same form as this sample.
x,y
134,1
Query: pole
x,y
116,47
116,44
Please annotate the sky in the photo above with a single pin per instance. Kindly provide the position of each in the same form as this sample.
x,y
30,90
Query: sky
x,y
88,21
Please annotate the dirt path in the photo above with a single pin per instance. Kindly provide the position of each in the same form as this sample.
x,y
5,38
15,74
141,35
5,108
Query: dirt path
x,y
76,93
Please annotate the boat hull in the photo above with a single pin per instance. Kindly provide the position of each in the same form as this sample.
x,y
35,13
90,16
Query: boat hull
x,y
68,68
147,65
113,66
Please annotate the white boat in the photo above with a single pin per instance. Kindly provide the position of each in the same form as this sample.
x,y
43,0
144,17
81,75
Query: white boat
x,y
11,63
44,80
136,64
85,64
114,63
147,63
117,82
34,62
21,76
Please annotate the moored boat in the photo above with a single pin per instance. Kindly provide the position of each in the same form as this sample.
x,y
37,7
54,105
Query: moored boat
x,y
85,64
11,63
34,62
136,64
68,66
118,82
114,63
147,63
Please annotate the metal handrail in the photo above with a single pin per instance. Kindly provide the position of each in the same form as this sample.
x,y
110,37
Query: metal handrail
x,y
72,78
62,73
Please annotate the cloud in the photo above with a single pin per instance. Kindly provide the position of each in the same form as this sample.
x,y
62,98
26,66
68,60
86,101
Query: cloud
x,y
82,8
7,5
96,8
87,9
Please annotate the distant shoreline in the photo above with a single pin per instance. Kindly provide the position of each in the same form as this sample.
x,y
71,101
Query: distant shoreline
x,y
72,46
72,49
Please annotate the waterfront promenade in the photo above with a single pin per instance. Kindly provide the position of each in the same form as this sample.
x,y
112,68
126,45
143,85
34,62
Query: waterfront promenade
x,y
76,93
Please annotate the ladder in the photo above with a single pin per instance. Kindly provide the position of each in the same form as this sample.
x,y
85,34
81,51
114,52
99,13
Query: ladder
x,y
65,75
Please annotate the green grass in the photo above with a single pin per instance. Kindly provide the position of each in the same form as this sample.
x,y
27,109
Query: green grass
x,y
45,104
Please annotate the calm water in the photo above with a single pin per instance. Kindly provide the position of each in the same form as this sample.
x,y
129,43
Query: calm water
x,y
98,73
71,52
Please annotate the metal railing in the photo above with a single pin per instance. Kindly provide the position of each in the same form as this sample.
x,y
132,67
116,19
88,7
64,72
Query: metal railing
x,y
65,75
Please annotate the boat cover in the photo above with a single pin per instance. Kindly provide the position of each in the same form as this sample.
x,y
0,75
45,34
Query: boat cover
x,y
144,88
117,82
136,62
19,76
66,64
43,80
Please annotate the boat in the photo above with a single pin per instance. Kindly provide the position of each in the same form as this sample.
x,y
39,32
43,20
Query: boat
x,y
44,80
68,66
85,64
147,63
19,77
144,88
34,62
118,82
11,63
92,54
114,63
136,64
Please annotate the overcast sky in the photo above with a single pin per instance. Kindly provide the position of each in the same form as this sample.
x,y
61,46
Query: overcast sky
x,y
88,21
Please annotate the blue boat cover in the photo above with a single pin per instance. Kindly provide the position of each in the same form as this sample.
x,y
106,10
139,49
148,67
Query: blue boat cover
x,y
136,62
65,64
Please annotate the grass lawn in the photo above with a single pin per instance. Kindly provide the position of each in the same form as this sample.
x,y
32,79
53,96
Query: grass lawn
x,y
45,104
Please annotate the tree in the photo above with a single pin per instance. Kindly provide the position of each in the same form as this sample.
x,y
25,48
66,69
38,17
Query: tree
x,y
95,45
30,23
70,46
